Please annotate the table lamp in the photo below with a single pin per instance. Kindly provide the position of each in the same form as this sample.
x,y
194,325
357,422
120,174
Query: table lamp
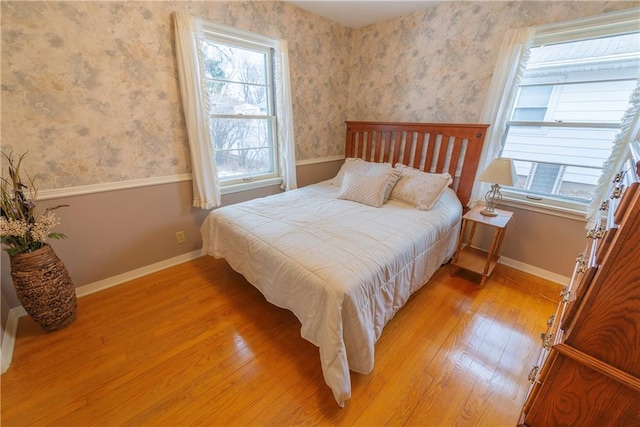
x,y
499,171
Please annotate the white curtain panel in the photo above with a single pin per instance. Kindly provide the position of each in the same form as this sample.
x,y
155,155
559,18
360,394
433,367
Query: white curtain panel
x,y
620,153
512,60
286,141
189,36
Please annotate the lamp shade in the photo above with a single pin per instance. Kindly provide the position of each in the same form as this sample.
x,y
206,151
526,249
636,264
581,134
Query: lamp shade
x,y
500,171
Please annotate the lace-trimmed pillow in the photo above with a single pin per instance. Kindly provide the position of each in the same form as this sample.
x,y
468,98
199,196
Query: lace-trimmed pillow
x,y
368,190
419,189
360,167
357,166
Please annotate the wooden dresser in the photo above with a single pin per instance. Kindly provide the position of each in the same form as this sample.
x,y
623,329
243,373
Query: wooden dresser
x,y
588,371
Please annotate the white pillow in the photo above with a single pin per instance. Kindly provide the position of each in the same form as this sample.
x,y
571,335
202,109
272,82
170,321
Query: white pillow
x,y
360,167
368,190
352,165
419,189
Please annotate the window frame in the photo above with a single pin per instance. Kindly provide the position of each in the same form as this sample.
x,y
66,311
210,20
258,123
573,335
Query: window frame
x,y
216,33
601,26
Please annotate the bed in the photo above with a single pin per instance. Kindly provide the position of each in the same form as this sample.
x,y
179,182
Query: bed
x,y
345,267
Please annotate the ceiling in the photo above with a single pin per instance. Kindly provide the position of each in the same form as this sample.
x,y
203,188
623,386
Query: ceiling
x,y
356,14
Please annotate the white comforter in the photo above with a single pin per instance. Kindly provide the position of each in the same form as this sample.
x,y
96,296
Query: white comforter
x,y
341,267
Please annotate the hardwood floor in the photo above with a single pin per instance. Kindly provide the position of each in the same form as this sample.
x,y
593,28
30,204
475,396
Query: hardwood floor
x,y
196,344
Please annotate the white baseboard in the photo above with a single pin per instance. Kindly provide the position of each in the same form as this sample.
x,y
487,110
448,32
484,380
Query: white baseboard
x,y
9,336
539,272
110,282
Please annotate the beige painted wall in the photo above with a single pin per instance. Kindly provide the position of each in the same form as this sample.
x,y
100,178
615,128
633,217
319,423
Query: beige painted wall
x,y
93,96
544,241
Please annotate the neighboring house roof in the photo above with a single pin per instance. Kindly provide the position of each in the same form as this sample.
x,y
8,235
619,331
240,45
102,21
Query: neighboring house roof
x,y
610,46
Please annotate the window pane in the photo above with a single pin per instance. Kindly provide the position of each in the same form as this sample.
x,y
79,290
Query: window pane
x,y
234,133
551,179
603,102
241,163
534,96
235,64
572,155
529,114
236,79
243,146
237,98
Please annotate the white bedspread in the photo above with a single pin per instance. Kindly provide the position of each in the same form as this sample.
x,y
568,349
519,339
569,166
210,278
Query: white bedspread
x,y
341,267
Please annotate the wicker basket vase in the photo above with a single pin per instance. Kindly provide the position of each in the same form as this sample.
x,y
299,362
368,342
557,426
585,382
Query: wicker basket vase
x,y
44,288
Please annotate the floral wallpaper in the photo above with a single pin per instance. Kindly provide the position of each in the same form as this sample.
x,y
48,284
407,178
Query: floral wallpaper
x,y
436,65
90,89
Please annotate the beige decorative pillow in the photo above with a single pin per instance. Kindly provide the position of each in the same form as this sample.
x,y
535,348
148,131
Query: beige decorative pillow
x,y
392,175
360,167
368,190
419,189
353,165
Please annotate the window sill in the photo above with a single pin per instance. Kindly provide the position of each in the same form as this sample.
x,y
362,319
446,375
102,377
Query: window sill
x,y
229,189
574,214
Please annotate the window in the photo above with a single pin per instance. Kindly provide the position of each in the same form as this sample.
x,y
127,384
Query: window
x,y
570,102
239,81
236,97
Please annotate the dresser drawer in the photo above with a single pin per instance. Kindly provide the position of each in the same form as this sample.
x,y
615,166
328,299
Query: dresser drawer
x,y
576,297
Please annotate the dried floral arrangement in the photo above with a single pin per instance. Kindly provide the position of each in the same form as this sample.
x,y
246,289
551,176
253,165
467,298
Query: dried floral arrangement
x,y
21,228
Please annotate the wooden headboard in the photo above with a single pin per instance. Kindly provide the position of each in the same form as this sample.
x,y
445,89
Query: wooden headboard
x,y
430,147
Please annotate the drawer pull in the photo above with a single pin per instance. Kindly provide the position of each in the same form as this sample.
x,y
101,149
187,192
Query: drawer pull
x,y
582,263
604,206
566,295
595,233
547,341
550,320
533,373
617,192
619,176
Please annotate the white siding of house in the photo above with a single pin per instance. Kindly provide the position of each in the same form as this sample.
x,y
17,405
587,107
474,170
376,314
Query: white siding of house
x,y
576,102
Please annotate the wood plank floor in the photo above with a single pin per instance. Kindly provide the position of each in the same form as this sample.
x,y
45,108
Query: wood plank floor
x,y
196,344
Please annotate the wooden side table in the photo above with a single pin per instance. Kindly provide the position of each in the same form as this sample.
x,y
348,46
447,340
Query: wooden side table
x,y
477,260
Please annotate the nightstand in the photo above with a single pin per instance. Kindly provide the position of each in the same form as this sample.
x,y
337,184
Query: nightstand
x,y
477,260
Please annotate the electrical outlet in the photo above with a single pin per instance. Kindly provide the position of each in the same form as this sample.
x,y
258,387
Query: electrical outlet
x,y
180,237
